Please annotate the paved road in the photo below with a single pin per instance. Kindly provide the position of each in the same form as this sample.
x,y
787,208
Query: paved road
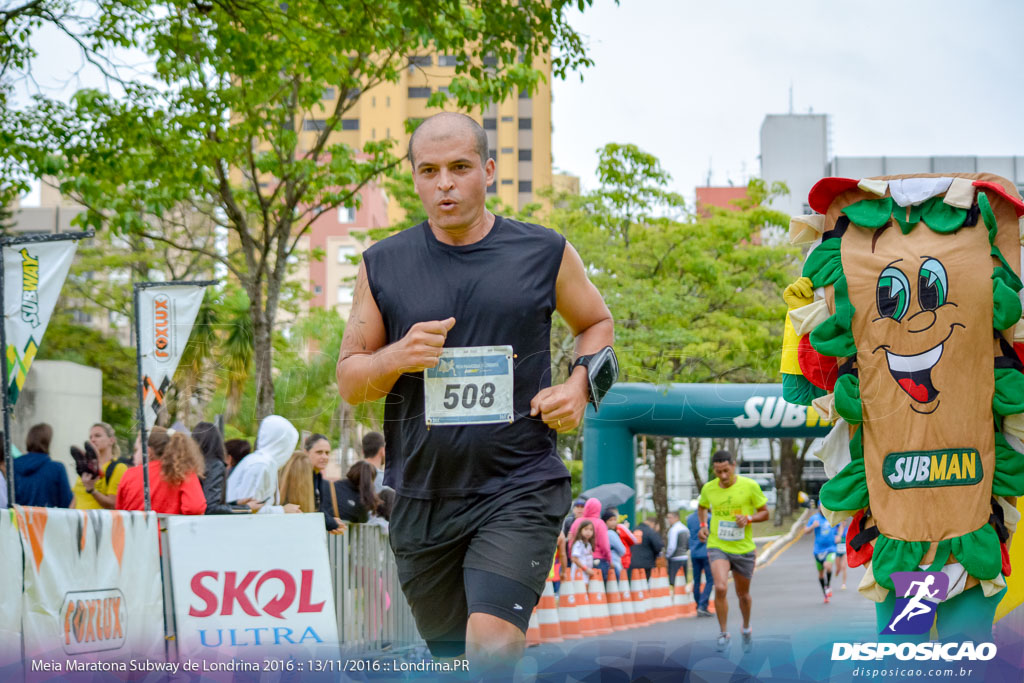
x,y
787,602
793,630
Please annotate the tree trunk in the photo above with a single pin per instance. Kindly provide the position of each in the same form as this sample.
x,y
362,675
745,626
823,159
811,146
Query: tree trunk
x,y
263,360
698,479
660,449
787,481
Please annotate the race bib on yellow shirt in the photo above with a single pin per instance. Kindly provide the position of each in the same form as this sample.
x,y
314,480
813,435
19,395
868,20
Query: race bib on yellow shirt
x,y
729,530
471,385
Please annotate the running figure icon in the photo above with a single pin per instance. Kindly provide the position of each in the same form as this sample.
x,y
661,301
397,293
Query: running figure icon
x,y
915,608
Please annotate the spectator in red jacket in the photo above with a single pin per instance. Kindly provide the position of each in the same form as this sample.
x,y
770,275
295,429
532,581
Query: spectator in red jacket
x,y
175,464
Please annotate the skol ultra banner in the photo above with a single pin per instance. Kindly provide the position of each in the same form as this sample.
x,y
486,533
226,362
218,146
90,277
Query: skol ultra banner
x,y
92,587
166,315
242,600
34,273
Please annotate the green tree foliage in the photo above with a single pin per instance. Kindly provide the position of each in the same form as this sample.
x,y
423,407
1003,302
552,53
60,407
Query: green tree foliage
x,y
216,129
67,340
695,297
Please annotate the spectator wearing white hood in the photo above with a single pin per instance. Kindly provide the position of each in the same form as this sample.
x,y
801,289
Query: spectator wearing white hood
x,y
255,477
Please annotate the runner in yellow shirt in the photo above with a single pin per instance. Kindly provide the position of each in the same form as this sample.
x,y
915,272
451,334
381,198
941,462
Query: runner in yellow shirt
x,y
735,502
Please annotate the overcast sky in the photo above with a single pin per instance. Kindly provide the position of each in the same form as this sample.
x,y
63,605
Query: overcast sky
x,y
691,81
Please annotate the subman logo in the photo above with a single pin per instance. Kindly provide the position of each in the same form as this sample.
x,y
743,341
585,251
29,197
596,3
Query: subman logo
x,y
917,595
162,327
29,288
926,469
93,621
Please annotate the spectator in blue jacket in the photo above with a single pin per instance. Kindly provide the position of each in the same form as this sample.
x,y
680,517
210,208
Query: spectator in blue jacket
x,y
38,480
699,558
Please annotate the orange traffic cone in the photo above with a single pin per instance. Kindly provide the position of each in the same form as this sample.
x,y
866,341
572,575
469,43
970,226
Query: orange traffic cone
x,y
659,582
682,598
533,630
587,627
568,612
547,614
599,603
627,601
638,587
615,603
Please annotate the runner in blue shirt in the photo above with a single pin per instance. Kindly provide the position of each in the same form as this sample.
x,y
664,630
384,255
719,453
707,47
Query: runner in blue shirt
x,y
824,550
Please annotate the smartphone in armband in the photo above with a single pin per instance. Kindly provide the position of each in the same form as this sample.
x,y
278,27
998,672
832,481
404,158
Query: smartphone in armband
x,y
602,372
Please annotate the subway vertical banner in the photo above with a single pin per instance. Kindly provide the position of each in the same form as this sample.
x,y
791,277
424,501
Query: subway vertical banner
x,y
34,273
166,315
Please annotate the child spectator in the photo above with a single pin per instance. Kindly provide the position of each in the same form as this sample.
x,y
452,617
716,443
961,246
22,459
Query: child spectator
x,y
583,547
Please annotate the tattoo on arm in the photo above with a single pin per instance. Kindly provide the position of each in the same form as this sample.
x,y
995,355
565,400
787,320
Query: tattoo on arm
x,y
354,340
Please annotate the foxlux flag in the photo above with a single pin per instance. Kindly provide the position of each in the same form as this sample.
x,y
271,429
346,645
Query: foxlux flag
x,y
166,315
34,273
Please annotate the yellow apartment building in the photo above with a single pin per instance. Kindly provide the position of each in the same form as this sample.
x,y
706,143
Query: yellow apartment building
x,y
518,130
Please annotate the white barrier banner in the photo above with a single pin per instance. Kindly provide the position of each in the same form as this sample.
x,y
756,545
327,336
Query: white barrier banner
x,y
92,589
251,586
10,590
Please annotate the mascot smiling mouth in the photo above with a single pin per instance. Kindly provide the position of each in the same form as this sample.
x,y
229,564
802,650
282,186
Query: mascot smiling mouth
x,y
914,373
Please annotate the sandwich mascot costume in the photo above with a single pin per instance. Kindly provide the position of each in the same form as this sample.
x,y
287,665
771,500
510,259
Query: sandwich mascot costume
x,y
905,330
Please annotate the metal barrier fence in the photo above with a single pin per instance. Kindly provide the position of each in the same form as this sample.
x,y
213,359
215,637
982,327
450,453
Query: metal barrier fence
x,y
371,608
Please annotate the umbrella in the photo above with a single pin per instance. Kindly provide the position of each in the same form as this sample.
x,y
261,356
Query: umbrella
x,y
610,495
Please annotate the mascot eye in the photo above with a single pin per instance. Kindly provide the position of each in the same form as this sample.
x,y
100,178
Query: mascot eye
x,y
893,294
932,285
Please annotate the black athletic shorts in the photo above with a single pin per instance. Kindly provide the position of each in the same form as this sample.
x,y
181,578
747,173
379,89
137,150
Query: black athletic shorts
x,y
483,553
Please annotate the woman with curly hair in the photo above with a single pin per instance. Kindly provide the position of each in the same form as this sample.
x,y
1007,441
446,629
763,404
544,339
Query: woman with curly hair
x,y
175,464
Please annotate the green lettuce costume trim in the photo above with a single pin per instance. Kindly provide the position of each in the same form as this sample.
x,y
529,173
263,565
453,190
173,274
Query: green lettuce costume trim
x,y
848,490
1006,307
1008,398
834,335
798,390
1008,475
824,265
848,404
870,213
979,552
890,555
936,213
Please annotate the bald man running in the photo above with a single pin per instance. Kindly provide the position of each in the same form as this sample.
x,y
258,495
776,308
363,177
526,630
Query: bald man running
x,y
451,322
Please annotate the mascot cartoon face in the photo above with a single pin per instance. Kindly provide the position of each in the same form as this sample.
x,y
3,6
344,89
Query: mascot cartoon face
x,y
911,315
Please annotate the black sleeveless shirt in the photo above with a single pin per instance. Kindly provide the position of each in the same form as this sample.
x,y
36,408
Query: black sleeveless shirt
x,y
500,290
